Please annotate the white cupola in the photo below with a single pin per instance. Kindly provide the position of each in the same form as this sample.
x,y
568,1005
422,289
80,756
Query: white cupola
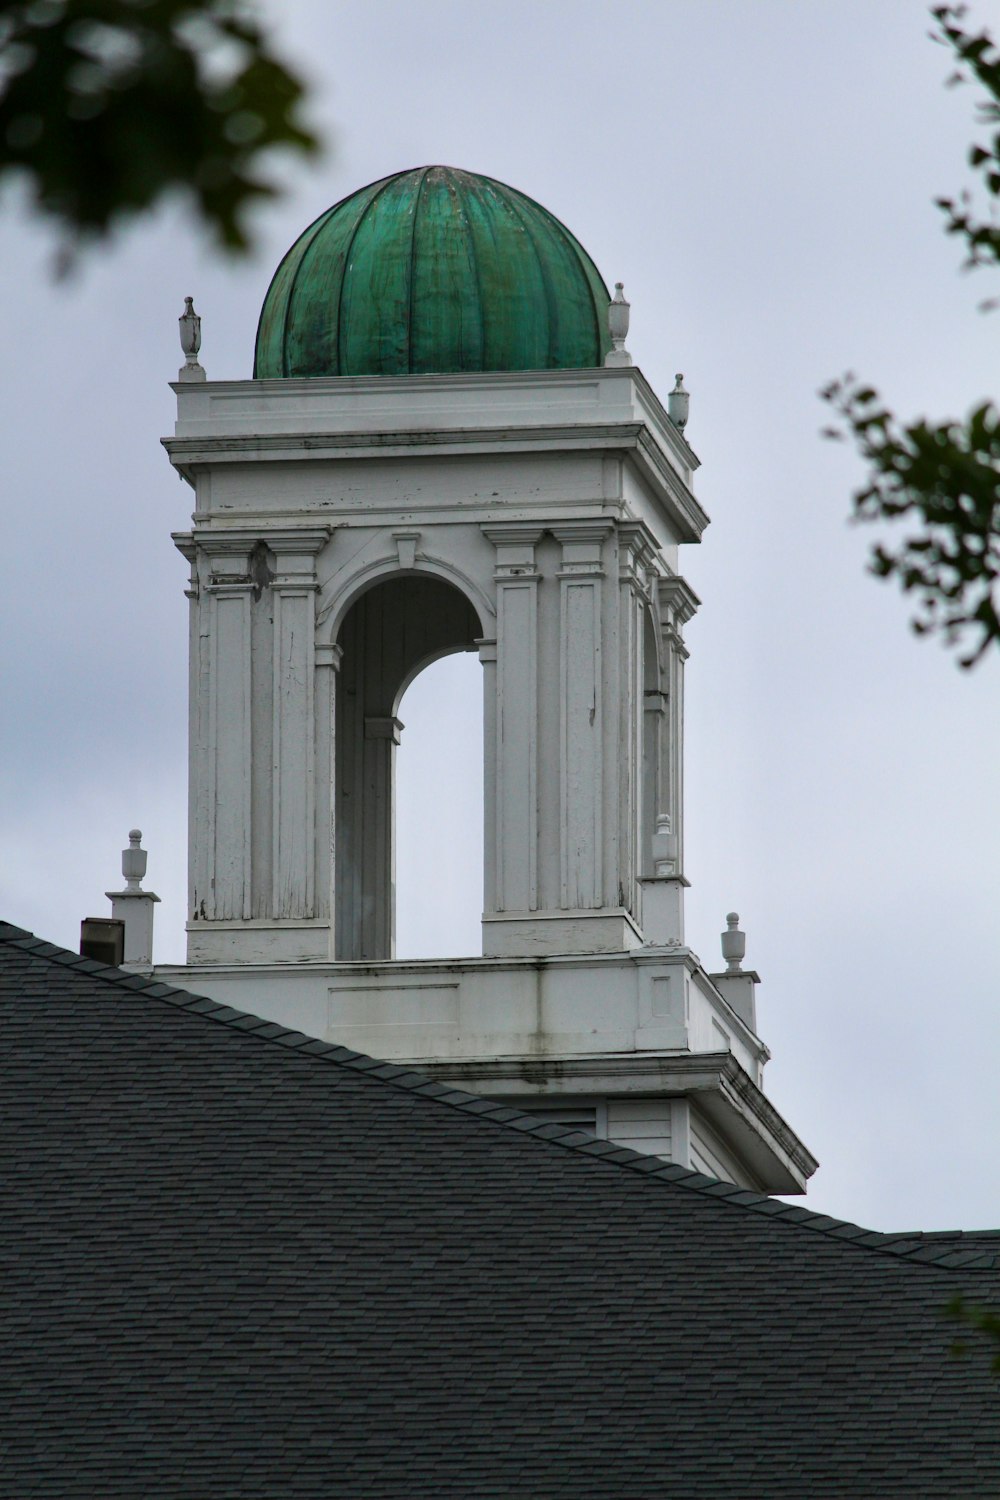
x,y
445,448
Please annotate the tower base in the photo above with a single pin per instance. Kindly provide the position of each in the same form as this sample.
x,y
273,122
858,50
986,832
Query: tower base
x,y
623,1037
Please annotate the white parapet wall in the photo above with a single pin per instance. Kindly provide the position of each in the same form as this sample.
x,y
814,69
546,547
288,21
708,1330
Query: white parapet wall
x,y
437,1009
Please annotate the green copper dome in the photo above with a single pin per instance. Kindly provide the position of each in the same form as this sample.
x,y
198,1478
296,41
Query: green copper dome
x,y
428,272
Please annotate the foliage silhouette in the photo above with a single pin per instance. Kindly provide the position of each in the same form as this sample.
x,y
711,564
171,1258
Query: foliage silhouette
x,y
944,475
107,105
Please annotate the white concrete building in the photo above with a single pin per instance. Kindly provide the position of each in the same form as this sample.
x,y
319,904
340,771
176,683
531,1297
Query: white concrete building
x,y
446,448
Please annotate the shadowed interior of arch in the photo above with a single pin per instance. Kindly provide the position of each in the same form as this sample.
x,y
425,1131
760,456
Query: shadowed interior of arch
x,y
389,635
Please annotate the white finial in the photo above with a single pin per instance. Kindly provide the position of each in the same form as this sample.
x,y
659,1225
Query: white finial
x,y
678,404
134,861
190,330
618,317
134,907
734,942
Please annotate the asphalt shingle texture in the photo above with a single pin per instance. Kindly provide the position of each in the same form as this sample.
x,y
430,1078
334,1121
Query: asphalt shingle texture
x,y
240,1263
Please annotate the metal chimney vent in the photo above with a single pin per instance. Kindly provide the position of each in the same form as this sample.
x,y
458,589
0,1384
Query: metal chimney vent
x,y
103,938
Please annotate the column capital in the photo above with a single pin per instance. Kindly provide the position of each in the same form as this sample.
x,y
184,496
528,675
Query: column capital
x,y
583,529
304,541
383,727
237,541
224,559
515,543
224,543
636,538
184,542
636,555
506,532
295,550
328,655
237,557
582,543
678,601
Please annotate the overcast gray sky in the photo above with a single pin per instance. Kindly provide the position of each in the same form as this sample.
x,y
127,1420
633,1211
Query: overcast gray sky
x,y
760,174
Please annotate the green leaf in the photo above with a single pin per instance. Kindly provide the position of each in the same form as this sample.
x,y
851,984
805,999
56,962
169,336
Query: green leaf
x,y
123,101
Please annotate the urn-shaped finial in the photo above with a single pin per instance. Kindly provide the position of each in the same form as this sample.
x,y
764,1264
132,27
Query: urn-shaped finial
x,y
618,318
678,404
134,861
190,331
734,943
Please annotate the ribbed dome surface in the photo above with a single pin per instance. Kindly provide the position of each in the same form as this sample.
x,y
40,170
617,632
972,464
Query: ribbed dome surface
x,y
430,271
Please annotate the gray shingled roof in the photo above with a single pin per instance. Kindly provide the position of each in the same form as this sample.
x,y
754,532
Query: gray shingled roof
x,y
240,1262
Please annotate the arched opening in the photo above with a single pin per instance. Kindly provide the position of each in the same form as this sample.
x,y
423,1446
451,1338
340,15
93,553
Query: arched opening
x,y
439,812
390,633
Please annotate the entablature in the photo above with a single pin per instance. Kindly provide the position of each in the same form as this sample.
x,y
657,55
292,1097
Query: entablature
x,y
612,412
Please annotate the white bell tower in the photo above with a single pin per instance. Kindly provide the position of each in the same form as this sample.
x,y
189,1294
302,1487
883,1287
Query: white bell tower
x,y
532,517
351,527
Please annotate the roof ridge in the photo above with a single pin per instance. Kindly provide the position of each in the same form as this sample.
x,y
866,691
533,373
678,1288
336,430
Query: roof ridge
x,y
915,1245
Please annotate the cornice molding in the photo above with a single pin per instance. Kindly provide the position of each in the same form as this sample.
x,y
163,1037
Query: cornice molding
x,y
632,439
677,598
673,1074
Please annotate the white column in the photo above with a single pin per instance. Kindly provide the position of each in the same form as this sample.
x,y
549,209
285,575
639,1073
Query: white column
x,y
378,916
327,662
488,658
223,859
635,554
663,886
581,715
515,842
293,734
677,604
197,698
